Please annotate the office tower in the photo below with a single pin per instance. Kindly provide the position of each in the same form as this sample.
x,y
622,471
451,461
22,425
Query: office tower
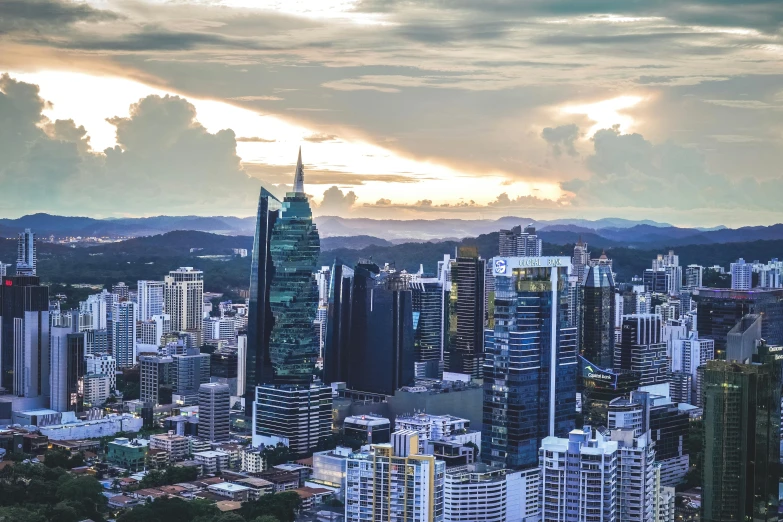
x,y
719,310
183,297
282,346
102,365
124,334
741,275
597,329
384,484
466,314
531,360
68,370
741,341
687,356
323,279
518,243
337,346
241,363
742,438
681,387
121,290
214,402
26,254
693,276
97,389
579,477
301,415
669,429
155,378
97,341
641,349
24,336
429,311
600,386
580,261
189,371
149,296
655,281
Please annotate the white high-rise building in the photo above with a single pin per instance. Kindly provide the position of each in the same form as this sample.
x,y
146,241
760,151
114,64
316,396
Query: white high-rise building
x,y
102,364
438,427
741,275
26,254
97,388
184,298
3,269
322,278
385,485
149,296
124,334
636,493
579,477
97,307
241,364
475,492
220,328
687,355
693,276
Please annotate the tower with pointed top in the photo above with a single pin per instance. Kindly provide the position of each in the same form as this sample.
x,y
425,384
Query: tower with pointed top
x,y
282,345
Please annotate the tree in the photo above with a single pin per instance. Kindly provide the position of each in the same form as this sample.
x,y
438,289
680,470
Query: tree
x,y
280,454
282,506
265,518
14,514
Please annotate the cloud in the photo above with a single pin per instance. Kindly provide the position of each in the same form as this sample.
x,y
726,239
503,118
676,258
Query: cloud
x,y
320,138
255,139
336,202
562,137
47,15
165,161
383,202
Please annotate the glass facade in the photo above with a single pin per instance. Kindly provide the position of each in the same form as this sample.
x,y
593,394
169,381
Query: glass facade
x,y
466,314
429,319
597,329
530,321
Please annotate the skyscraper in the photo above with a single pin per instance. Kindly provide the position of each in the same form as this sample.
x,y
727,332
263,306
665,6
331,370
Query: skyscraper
x,y
26,254
519,243
642,349
466,314
580,261
693,276
124,334
337,346
24,327
150,299
184,298
742,438
68,369
429,309
597,329
741,275
214,401
531,360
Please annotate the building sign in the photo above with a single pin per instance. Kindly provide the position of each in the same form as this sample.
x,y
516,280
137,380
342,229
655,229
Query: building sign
x,y
592,372
505,265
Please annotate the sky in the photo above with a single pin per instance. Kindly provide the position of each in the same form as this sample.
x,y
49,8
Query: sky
x,y
670,110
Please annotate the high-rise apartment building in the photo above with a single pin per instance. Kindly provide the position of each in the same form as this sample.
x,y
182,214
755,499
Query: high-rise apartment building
x,y
741,275
388,484
183,297
214,401
24,336
479,492
298,415
742,438
597,329
121,290
580,261
102,364
155,379
150,300
68,369
124,334
642,349
530,370
693,276
466,316
519,243
579,477
26,254
687,356
189,371
282,344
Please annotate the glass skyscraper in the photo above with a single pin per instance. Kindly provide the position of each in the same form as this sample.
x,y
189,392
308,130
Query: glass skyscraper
x,y
598,316
282,345
530,368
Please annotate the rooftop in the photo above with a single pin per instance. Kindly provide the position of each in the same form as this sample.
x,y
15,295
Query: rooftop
x,y
228,487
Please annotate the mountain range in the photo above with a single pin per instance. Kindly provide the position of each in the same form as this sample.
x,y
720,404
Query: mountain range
x,y
356,233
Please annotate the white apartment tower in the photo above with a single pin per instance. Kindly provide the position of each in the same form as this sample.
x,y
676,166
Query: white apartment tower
x,y
26,254
741,275
579,477
124,334
183,298
149,296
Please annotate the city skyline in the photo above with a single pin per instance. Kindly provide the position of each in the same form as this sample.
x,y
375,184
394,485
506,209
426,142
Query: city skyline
x,y
466,110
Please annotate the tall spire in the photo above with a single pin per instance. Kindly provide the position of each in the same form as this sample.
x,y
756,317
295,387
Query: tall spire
x,y
299,176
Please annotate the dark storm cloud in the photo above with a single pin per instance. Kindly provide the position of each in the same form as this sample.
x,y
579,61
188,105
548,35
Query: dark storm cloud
x,y
47,15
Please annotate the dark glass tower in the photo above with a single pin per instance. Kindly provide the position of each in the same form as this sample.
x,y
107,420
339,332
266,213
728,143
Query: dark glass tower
x,y
337,347
282,345
466,314
530,369
742,439
598,316
429,315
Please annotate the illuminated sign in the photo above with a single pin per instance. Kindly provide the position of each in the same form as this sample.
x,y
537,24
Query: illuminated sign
x,y
504,265
592,372
775,349
8,282
500,266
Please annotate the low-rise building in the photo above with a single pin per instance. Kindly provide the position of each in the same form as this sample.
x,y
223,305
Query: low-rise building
x,y
252,460
93,429
212,461
156,459
124,502
258,486
282,480
311,497
232,491
128,454
175,445
329,467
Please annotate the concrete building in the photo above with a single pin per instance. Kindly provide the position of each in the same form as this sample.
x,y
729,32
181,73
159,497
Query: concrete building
x,y
741,275
642,349
297,416
212,461
214,402
579,477
127,453
149,296
370,429
476,492
97,388
636,493
176,446
102,364
437,428
183,298
124,334
68,369
189,371
252,460
385,484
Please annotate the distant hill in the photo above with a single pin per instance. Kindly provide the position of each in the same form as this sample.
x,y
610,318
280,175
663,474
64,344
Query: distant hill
x,y
352,242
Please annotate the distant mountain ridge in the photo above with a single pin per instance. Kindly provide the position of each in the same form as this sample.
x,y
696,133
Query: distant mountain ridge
x,y
356,233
